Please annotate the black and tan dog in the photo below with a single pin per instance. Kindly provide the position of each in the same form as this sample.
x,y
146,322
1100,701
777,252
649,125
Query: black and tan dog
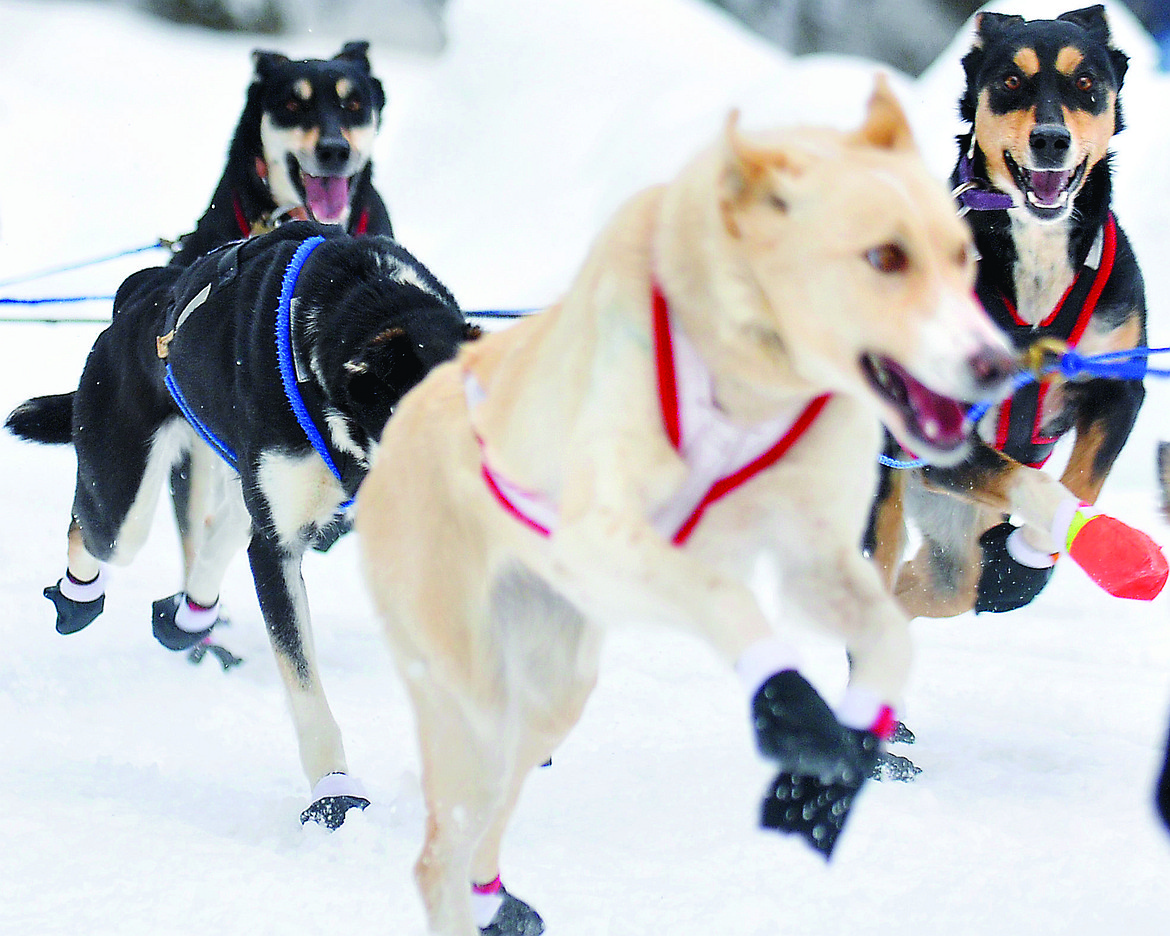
x,y
1033,173
286,354
301,149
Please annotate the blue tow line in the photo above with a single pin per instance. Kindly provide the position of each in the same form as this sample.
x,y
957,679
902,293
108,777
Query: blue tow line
x,y
68,268
160,243
1130,364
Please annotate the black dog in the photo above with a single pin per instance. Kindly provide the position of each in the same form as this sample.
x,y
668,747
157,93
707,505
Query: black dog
x,y
286,354
301,150
1033,173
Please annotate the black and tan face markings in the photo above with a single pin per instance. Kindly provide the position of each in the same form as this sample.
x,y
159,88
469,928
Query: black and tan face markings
x,y
1043,109
305,100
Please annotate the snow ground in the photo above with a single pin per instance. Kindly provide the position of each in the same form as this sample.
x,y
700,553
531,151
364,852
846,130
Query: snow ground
x,y
139,794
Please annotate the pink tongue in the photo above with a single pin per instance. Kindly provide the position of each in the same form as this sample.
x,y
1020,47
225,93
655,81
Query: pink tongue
x,y
941,421
1048,185
327,196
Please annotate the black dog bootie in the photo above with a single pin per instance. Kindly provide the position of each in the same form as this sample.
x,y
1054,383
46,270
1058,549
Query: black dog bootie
x,y
1004,583
73,616
823,764
167,632
514,918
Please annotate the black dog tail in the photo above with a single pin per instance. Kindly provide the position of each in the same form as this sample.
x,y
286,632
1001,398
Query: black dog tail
x,y
47,419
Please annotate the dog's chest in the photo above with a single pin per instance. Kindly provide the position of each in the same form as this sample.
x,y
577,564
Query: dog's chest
x,y
1042,272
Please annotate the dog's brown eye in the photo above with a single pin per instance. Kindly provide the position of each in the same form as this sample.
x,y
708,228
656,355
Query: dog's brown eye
x,y
1085,83
292,105
888,258
352,104
1012,82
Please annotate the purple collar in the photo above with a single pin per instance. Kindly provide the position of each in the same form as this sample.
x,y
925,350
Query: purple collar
x,y
976,195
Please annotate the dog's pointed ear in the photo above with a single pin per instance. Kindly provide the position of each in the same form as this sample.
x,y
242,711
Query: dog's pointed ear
x,y
745,165
990,26
265,61
356,51
752,172
1092,20
885,126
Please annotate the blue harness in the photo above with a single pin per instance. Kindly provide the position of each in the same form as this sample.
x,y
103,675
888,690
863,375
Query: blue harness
x,y
288,377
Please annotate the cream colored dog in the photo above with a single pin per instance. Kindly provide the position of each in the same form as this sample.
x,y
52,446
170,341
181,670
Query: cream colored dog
x,y
707,395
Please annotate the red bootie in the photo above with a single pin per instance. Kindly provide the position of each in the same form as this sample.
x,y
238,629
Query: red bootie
x,y
1123,561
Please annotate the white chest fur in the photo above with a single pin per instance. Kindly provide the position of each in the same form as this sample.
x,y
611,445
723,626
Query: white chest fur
x,y
1042,270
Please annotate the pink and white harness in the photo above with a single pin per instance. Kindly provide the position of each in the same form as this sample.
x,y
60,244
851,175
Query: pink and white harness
x,y
721,456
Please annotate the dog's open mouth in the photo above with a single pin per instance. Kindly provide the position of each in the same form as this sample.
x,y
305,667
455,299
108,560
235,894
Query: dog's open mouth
x,y
937,423
1047,191
326,197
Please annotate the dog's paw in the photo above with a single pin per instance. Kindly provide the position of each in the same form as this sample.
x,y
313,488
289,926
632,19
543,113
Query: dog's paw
x,y
330,811
797,729
810,808
894,767
167,632
73,616
1004,583
514,918
334,795
823,764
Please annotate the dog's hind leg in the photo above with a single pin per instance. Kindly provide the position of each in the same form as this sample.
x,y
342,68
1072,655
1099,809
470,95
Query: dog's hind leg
x,y
186,619
551,660
940,580
113,507
223,525
276,571
464,766
485,721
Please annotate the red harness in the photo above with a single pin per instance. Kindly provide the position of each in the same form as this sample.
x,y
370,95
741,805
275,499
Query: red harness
x,y
721,457
1018,431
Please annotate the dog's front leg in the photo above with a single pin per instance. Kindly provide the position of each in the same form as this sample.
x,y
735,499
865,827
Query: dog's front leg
x,y
276,571
1123,561
615,565
1108,411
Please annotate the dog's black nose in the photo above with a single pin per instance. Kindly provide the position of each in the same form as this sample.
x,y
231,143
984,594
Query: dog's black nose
x,y
332,155
1050,143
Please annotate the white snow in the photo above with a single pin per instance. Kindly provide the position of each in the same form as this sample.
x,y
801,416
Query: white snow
x,y
141,795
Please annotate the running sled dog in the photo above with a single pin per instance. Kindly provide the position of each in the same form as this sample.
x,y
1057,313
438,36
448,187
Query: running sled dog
x,y
275,363
707,396
301,150
1033,177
